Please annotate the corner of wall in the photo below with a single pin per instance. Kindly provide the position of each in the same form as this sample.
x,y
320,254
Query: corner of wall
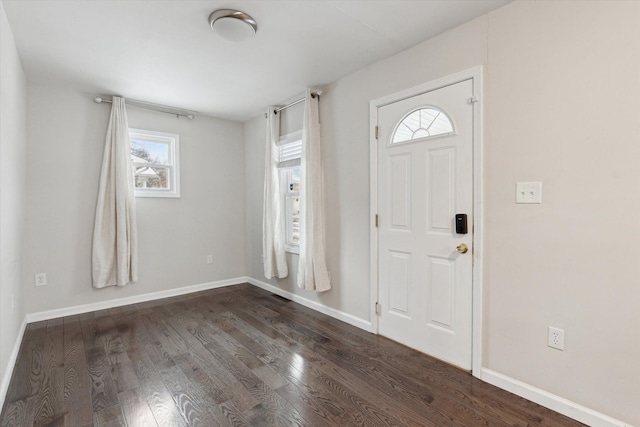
x,y
5,380
12,200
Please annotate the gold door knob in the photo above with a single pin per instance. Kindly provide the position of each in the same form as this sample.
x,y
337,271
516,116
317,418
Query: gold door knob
x,y
462,248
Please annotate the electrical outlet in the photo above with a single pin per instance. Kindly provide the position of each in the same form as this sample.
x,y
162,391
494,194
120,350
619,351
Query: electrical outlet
x,y
555,338
41,279
209,259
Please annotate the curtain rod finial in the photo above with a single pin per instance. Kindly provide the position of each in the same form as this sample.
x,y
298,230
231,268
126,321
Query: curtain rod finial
x,y
97,99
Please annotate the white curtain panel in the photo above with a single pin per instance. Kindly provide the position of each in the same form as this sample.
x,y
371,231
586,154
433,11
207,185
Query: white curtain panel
x,y
273,226
312,268
115,239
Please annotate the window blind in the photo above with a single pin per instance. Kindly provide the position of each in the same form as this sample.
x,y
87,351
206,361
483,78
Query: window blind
x,y
290,150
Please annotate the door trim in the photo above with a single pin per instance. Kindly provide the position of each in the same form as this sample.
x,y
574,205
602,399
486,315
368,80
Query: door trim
x,y
474,74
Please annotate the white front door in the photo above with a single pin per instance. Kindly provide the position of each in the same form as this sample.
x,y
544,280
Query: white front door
x,y
425,178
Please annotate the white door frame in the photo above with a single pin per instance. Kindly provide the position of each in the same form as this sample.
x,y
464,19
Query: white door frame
x,y
474,74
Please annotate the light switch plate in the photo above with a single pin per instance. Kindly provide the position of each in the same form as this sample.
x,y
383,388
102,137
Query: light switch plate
x,y
529,192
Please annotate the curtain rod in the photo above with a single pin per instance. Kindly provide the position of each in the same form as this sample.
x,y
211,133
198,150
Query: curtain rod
x,y
155,107
313,95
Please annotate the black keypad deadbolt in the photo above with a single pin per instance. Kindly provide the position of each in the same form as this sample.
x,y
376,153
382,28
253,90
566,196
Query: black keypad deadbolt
x,y
461,224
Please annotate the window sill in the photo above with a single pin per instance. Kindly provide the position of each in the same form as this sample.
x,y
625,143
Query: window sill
x,y
159,194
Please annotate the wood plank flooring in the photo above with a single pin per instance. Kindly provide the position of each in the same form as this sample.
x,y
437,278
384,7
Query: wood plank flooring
x,y
241,356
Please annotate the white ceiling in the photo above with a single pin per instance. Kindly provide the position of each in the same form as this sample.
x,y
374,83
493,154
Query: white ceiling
x,y
164,52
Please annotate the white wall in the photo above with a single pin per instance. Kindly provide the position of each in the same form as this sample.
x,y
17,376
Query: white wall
x,y
344,114
342,300
254,139
12,193
563,88
561,85
65,145
562,81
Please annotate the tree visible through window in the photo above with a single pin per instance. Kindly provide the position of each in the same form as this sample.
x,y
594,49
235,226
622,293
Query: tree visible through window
x,y
154,157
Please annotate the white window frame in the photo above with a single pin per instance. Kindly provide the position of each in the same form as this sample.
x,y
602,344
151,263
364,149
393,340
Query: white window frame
x,y
173,167
289,245
288,196
430,135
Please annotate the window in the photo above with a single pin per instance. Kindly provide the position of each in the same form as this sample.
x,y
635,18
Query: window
x,y
289,158
422,123
155,163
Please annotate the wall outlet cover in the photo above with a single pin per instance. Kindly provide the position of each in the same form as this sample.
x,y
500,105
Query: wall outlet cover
x,y
555,338
41,279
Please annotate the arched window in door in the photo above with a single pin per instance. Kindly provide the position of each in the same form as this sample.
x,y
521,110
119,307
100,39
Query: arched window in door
x,y
422,123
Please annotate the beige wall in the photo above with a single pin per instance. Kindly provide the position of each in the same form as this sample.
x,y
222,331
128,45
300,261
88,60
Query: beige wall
x,y
65,145
562,108
344,113
12,193
562,79
254,139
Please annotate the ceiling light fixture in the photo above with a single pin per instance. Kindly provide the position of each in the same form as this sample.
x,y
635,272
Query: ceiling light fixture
x,y
233,25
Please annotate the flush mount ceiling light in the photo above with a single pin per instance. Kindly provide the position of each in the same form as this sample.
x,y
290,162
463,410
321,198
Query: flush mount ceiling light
x,y
233,25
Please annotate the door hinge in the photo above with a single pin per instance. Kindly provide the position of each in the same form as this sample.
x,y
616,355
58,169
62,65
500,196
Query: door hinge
x,y
376,132
472,100
376,220
378,308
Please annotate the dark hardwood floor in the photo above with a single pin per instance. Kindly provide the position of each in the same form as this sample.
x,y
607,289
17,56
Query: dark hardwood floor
x,y
241,356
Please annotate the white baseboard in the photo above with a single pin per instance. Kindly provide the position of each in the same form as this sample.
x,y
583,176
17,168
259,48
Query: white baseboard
x,y
102,305
551,401
11,363
332,312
